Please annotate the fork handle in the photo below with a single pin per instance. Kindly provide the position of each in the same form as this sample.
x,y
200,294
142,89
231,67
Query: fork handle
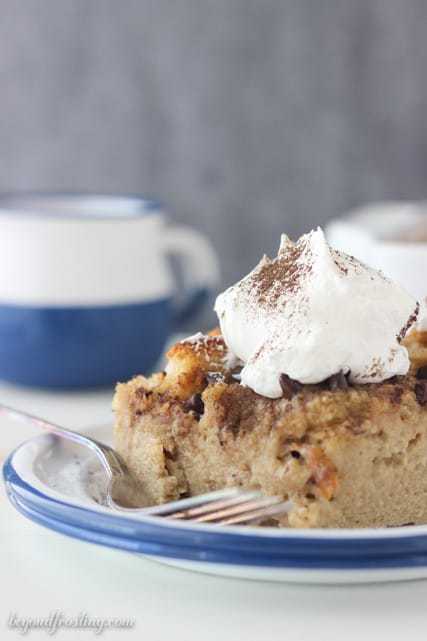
x,y
25,417
109,458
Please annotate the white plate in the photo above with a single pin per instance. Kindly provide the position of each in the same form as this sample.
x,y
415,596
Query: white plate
x,y
60,486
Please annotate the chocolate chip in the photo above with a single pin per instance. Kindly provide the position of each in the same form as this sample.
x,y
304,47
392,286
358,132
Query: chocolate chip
x,y
393,379
295,454
215,377
141,392
195,404
169,455
422,373
337,381
289,386
421,392
396,394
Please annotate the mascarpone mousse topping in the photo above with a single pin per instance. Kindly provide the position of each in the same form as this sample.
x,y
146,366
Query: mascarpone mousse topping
x,y
311,313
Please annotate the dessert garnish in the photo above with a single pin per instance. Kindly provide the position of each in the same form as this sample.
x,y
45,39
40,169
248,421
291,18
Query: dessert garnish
x,y
289,386
338,381
314,314
195,404
422,372
421,392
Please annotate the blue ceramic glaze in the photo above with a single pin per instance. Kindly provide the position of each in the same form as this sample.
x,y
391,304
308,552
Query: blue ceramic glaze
x,y
81,346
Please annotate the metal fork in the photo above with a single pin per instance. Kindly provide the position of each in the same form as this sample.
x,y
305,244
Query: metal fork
x,y
232,506
226,507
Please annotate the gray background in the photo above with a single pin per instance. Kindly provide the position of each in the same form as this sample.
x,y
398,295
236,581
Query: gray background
x,y
246,118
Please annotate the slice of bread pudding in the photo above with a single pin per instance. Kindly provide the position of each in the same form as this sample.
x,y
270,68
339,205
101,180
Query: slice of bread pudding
x,y
346,455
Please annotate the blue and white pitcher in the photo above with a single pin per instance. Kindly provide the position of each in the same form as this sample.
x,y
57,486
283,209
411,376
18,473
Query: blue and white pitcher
x,y
87,293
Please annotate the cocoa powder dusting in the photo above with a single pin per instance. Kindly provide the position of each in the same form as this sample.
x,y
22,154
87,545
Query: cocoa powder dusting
x,y
341,267
282,275
411,320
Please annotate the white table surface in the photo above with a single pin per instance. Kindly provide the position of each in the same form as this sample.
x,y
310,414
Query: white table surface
x,y
42,572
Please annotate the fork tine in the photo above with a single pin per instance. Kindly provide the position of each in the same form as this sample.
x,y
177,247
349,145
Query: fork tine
x,y
241,509
223,507
167,509
258,514
199,512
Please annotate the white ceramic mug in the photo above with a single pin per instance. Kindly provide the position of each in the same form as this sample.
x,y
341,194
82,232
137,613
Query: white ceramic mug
x,y
371,233
87,293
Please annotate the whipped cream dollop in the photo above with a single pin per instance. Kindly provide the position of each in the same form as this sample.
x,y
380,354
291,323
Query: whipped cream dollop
x,y
311,312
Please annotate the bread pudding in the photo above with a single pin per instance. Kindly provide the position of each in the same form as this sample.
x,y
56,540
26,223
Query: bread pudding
x,y
349,450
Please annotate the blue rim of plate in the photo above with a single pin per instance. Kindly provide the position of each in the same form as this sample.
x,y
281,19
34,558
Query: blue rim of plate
x,y
248,546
